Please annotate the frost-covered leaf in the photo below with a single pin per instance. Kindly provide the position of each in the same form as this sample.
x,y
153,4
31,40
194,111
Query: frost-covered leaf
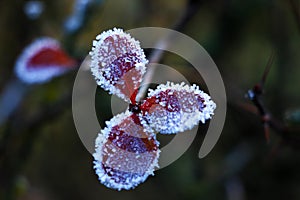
x,y
173,108
126,152
42,60
118,63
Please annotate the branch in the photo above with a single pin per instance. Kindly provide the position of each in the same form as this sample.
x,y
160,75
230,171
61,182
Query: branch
x,y
17,148
295,7
11,97
156,55
255,95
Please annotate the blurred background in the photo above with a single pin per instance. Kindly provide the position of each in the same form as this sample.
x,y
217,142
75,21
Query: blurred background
x,y
42,157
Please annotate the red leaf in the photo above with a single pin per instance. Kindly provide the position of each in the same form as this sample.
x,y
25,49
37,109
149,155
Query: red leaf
x,y
50,56
42,60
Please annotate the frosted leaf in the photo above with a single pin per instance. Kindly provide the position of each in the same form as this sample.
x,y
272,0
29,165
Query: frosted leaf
x,y
42,60
126,152
118,63
173,108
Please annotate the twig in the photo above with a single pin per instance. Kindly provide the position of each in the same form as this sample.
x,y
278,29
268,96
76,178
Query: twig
x,y
295,7
11,97
13,157
156,55
16,148
267,69
255,95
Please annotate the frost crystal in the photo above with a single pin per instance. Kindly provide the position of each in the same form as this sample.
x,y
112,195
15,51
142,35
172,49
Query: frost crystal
x,y
173,108
42,60
118,63
126,152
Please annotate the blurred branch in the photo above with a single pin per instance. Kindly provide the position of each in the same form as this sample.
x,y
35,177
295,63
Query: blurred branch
x,y
235,189
235,161
10,98
190,10
18,133
77,21
17,148
255,95
295,7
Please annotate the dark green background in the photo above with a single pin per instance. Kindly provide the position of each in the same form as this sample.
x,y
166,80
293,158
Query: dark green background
x,y
239,36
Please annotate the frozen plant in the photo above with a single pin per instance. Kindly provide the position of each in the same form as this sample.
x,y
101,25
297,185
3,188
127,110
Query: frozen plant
x,y
127,150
